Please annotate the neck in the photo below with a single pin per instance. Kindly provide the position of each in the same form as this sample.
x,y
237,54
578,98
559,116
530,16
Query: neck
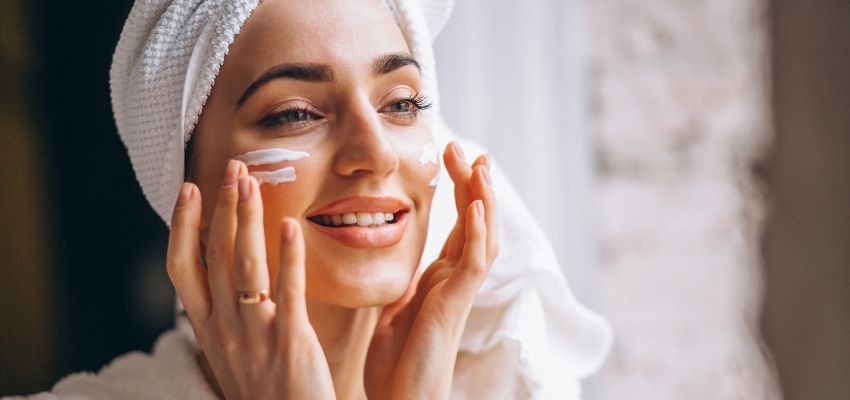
x,y
344,334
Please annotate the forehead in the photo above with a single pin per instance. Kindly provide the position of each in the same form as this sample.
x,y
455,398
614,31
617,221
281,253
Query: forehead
x,y
346,34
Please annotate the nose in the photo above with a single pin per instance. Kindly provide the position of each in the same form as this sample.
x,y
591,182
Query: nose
x,y
364,147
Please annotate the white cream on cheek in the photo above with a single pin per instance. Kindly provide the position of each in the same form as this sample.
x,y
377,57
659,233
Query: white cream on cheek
x,y
272,156
431,154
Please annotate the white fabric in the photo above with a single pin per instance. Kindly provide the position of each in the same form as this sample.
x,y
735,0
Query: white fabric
x,y
526,337
170,373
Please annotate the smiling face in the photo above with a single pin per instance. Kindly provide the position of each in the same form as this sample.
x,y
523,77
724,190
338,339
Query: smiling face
x,y
332,79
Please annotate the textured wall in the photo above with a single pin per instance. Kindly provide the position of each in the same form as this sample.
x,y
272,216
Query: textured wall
x,y
680,114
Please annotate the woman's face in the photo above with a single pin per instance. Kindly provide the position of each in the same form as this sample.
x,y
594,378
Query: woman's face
x,y
334,79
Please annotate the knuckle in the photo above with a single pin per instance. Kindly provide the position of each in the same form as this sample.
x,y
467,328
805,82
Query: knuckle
x,y
227,342
230,347
227,196
288,305
249,266
477,268
216,254
247,211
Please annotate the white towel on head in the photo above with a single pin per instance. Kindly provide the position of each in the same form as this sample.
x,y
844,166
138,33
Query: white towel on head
x,y
526,337
166,62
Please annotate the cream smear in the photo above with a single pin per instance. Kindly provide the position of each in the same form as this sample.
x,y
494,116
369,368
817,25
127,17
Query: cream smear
x,y
431,154
282,175
272,156
436,181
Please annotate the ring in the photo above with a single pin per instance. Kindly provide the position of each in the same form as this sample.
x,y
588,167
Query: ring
x,y
253,297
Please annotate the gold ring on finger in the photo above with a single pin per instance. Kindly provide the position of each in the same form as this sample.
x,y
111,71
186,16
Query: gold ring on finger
x,y
253,297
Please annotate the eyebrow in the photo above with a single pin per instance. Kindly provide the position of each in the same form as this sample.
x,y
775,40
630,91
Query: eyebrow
x,y
300,72
309,72
391,62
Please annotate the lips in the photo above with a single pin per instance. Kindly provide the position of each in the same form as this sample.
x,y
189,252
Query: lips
x,y
363,221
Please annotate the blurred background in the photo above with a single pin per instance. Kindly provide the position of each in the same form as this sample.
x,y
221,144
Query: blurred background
x,y
688,159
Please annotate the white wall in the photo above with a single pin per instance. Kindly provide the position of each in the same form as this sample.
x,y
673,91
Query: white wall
x,y
511,78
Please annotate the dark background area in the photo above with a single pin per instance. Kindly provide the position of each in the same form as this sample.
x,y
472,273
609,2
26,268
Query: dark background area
x,y
101,239
82,271
96,206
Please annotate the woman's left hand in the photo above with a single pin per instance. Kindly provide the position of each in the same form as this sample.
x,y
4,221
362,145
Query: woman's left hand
x,y
414,348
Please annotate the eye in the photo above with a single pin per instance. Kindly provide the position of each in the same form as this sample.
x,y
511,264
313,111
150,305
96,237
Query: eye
x,y
408,107
293,116
401,106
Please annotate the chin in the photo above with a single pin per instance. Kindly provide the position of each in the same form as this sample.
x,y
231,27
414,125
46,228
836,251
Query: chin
x,y
353,283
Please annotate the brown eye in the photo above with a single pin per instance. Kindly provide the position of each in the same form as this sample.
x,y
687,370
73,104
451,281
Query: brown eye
x,y
292,116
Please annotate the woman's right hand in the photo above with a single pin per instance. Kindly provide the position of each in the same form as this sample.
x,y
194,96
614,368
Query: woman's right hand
x,y
263,350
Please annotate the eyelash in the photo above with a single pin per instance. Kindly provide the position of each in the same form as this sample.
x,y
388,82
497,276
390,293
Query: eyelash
x,y
276,119
418,101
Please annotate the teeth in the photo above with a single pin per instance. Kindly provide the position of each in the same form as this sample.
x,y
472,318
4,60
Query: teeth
x,y
359,219
364,219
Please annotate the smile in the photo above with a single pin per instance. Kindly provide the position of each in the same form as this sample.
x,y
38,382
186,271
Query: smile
x,y
363,222
362,219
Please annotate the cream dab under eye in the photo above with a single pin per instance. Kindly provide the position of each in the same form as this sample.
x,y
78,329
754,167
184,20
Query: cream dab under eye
x,y
269,157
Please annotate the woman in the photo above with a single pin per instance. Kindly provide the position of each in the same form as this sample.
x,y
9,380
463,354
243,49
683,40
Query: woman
x,y
296,247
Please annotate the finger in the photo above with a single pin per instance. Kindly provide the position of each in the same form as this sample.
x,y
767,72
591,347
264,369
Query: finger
x,y
291,278
482,160
450,242
437,272
455,240
471,269
482,189
220,245
183,260
460,173
250,270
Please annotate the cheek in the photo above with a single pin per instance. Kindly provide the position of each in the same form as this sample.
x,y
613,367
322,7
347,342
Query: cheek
x,y
420,165
287,199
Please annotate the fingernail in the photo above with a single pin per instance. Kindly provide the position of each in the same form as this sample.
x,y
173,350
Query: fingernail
x,y
459,151
244,188
231,174
486,174
479,207
184,195
288,234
